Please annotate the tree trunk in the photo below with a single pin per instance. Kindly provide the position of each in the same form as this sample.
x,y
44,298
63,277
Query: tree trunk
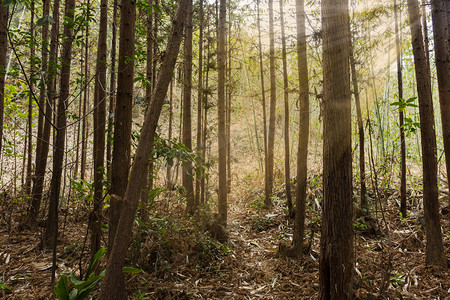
x,y
434,253
302,152
123,114
85,125
403,209
4,10
272,111
263,96
287,167
46,90
221,62
187,176
99,128
51,232
228,89
199,104
336,242
362,160
112,91
438,12
113,285
30,105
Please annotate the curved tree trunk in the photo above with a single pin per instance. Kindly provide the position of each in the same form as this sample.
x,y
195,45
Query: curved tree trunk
x,y
113,285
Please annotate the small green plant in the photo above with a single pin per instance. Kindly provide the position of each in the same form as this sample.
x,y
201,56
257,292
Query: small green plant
x,y
396,280
403,220
360,226
81,288
3,286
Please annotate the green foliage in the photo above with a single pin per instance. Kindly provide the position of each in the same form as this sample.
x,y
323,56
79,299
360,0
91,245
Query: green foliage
x,y
397,280
4,287
81,288
410,126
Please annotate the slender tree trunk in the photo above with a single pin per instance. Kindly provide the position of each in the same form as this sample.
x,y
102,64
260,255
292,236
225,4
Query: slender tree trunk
x,y
302,151
148,100
263,96
123,115
112,91
362,159
221,62
30,104
4,10
47,90
403,209
169,167
228,89
425,30
272,110
434,253
113,286
287,167
99,128
336,242
199,103
187,176
438,12
51,233
85,125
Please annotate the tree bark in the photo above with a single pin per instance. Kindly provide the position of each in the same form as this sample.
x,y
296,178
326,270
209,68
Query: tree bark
x,y
362,160
272,110
438,12
4,10
123,114
199,104
99,128
112,91
302,151
113,286
187,175
403,208
263,96
221,62
336,242
434,253
287,167
46,91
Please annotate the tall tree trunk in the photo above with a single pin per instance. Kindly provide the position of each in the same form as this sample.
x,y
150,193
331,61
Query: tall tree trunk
x,y
46,91
4,10
51,232
263,96
123,115
221,62
228,89
112,91
403,209
85,125
434,253
272,110
362,160
169,167
336,242
302,152
199,103
113,285
438,12
148,96
287,167
30,104
99,128
187,176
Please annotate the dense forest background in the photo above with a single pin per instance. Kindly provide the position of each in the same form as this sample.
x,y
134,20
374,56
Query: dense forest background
x,y
157,149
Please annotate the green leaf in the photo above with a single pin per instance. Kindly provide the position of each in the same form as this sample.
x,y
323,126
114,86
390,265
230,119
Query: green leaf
x,y
157,8
4,287
41,21
62,289
98,256
131,270
50,20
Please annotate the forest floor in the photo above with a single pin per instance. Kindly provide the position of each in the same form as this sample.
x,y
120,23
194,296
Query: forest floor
x,y
180,261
